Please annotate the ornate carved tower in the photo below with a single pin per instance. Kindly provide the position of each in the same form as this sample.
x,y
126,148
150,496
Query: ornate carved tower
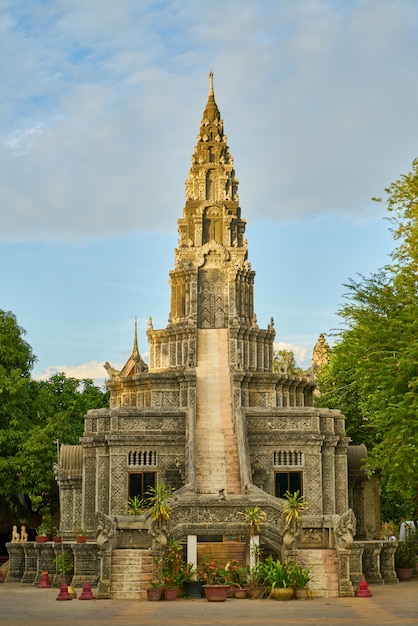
x,y
212,283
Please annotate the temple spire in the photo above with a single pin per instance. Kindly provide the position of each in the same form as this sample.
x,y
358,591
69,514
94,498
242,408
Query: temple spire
x,y
211,92
135,350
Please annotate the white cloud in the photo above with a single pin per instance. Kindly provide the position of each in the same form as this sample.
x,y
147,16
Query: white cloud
x,y
301,353
93,370
100,108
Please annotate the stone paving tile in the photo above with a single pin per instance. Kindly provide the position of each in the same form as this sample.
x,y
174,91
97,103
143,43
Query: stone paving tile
x,y
391,605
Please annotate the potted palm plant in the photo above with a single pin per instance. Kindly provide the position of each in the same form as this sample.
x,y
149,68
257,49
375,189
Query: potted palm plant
x,y
157,502
301,576
293,509
278,578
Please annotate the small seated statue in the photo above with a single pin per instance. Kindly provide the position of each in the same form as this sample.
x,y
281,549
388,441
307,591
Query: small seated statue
x,y
15,535
23,534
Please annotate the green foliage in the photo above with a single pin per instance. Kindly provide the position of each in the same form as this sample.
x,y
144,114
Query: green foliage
x,y
156,499
66,558
135,506
284,360
33,415
301,576
293,509
373,371
253,517
406,552
16,361
274,574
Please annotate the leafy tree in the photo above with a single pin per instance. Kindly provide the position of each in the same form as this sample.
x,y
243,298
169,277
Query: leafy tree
x,y
58,408
373,371
285,361
16,362
33,415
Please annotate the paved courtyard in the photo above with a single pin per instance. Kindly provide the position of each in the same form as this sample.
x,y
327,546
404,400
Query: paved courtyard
x,y
390,605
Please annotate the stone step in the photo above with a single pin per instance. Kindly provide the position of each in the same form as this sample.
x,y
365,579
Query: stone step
x,y
324,569
131,572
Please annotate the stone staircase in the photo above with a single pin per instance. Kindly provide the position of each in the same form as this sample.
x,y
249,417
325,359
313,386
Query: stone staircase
x,y
131,574
324,569
217,463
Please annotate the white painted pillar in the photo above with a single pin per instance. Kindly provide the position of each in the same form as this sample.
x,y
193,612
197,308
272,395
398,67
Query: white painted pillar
x,y
254,543
192,549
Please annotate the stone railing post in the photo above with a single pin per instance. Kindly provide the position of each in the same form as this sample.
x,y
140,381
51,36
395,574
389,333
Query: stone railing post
x,y
387,563
31,558
16,562
345,586
356,563
45,560
86,564
371,562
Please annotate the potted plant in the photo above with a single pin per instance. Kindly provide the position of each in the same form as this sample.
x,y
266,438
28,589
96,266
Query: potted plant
x,y
65,564
173,572
80,536
293,509
135,506
154,591
56,535
301,576
237,576
277,578
215,577
406,557
253,517
192,585
157,502
42,534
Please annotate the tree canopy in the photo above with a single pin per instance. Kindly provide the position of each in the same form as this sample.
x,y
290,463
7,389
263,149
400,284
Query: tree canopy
x,y
33,416
373,371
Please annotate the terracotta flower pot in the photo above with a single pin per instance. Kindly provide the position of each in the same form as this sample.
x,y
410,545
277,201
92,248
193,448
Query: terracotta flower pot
x,y
404,573
240,593
41,538
301,594
170,594
216,593
80,539
154,595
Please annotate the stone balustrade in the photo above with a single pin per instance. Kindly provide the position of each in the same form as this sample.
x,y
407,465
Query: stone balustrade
x,y
28,560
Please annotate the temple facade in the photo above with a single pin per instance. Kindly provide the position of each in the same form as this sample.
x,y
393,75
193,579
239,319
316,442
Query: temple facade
x,y
209,415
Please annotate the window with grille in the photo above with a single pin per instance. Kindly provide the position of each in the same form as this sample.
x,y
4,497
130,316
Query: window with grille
x,y
288,481
139,483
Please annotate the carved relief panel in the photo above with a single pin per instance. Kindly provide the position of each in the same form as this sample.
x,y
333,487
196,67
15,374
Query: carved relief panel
x,y
212,313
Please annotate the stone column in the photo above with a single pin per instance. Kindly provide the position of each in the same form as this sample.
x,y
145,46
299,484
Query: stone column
x,y
328,475
86,564
88,511
45,560
345,586
356,563
16,562
371,562
341,472
105,564
387,563
30,562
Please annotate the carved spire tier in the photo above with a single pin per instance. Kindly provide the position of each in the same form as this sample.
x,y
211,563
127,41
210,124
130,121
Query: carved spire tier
x,y
212,283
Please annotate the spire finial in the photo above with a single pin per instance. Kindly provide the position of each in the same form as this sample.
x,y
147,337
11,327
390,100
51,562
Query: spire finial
x,y
135,350
211,92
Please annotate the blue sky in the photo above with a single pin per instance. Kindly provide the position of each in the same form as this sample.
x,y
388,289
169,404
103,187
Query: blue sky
x,y
100,109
